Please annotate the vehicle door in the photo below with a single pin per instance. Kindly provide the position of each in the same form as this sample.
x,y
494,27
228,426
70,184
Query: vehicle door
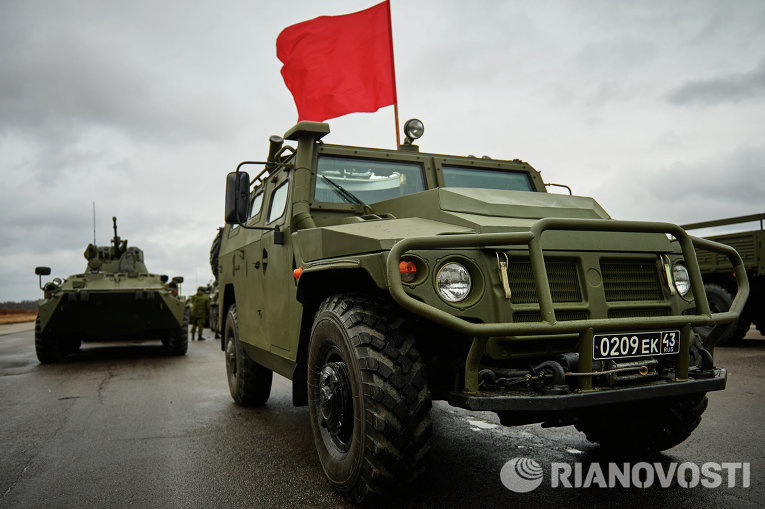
x,y
249,293
282,319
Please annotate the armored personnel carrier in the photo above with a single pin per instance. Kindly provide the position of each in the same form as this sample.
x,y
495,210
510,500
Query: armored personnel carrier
x,y
378,280
116,298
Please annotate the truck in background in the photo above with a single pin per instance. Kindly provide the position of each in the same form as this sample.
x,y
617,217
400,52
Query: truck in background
x,y
720,281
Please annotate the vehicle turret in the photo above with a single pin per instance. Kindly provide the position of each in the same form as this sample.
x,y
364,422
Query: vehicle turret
x,y
115,258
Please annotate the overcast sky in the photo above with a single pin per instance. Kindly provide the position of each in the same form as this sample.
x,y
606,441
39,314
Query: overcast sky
x,y
654,108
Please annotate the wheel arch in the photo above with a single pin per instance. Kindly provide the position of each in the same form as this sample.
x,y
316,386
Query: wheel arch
x,y
313,288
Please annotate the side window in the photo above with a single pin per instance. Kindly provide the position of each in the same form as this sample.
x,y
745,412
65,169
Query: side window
x,y
256,204
278,202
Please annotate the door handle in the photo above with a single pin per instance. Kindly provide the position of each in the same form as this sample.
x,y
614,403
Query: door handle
x,y
233,260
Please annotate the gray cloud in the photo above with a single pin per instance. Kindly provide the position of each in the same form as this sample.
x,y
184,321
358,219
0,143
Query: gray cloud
x,y
728,185
734,87
143,106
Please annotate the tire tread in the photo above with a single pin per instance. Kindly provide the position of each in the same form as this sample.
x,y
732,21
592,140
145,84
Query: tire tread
x,y
396,394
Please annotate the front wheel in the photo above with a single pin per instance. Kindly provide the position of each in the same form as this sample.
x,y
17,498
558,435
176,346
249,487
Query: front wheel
x,y
645,428
248,381
48,348
368,399
177,342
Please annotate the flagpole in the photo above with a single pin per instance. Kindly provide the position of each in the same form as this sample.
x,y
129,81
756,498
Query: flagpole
x,y
393,71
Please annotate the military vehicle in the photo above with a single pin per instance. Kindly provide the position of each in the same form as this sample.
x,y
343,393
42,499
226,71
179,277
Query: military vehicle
x,y
378,280
116,298
720,281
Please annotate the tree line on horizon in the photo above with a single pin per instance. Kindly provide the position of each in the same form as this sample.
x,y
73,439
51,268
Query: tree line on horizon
x,y
23,305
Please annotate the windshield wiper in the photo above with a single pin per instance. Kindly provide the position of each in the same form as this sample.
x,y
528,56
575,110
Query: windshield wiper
x,y
348,196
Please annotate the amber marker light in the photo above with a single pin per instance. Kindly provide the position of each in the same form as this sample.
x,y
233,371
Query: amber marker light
x,y
296,273
408,271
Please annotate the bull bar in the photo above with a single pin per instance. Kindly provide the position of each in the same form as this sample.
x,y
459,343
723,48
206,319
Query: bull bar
x,y
586,327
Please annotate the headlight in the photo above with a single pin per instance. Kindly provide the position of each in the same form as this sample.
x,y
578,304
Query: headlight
x,y
682,279
453,282
414,129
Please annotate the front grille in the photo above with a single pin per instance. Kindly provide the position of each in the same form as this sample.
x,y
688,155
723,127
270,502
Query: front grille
x,y
638,313
630,280
561,274
561,316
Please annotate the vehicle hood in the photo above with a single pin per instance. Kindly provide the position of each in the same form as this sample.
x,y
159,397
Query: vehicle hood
x,y
466,210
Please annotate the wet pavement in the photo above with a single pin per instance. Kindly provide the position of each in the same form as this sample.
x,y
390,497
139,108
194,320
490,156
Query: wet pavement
x,y
125,425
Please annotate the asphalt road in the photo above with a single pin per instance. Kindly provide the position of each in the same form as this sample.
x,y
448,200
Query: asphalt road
x,y
124,425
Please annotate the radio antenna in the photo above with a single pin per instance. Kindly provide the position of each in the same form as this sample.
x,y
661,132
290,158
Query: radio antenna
x,y
94,222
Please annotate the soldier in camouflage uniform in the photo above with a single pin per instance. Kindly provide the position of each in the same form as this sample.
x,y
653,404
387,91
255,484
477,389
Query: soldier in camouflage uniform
x,y
200,310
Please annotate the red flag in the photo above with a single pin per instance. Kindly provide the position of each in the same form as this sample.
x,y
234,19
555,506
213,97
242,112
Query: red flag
x,y
335,65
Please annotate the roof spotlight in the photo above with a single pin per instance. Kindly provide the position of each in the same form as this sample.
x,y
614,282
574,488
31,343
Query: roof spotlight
x,y
413,129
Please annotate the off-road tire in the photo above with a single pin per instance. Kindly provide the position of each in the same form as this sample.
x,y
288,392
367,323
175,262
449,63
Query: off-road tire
x,y
215,253
698,355
248,381
645,428
388,409
47,347
177,342
720,300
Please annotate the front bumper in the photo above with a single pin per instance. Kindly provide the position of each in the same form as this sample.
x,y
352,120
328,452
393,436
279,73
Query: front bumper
x,y
528,401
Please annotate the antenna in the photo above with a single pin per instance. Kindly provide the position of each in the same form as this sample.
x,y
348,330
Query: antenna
x,y
94,222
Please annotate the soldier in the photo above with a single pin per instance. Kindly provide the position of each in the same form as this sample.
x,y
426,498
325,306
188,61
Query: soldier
x,y
200,310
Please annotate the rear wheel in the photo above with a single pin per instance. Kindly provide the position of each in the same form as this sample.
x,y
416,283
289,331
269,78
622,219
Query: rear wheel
x,y
47,347
368,398
720,300
248,381
177,343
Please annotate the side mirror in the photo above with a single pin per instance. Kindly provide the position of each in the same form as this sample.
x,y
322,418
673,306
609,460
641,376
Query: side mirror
x,y
42,271
178,279
237,197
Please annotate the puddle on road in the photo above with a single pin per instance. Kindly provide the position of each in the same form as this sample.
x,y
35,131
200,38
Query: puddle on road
x,y
481,425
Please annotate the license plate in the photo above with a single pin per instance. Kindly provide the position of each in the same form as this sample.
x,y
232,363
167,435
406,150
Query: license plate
x,y
636,344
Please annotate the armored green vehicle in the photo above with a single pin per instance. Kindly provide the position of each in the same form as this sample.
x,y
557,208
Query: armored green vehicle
x,y
378,280
720,281
116,298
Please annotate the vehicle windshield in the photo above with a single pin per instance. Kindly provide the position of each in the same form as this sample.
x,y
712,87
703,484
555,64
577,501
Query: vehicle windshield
x,y
456,176
370,180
